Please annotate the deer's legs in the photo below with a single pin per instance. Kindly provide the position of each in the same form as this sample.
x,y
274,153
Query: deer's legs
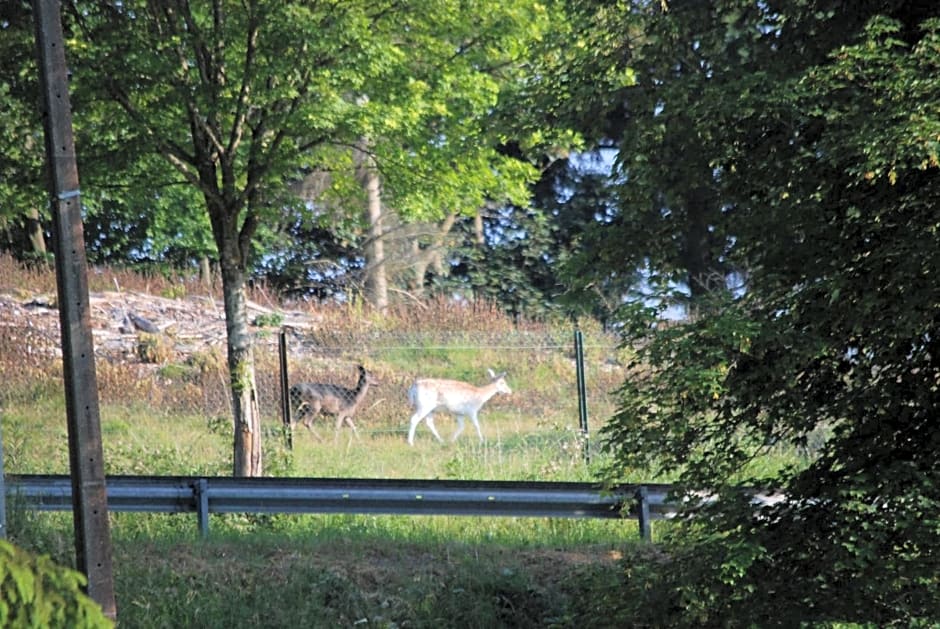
x,y
413,426
459,428
476,424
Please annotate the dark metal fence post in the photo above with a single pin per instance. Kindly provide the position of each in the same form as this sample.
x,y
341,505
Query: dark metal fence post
x,y
582,392
643,513
285,390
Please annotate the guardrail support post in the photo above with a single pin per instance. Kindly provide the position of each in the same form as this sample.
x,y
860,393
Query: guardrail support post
x,y
201,491
643,513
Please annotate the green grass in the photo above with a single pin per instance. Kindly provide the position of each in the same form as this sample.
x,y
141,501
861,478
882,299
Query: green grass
x,y
340,570
337,570
137,442
513,450
286,583
330,570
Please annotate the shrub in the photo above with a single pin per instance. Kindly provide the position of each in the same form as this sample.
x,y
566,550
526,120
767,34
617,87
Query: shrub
x,y
35,592
154,348
268,320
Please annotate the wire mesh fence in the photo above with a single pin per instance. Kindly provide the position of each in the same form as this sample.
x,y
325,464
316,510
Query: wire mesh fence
x,y
354,375
365,378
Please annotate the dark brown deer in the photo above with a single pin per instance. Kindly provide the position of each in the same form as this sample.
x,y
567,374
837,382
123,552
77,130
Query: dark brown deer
x,y
315,398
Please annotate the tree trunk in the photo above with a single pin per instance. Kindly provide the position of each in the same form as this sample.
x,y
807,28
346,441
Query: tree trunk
x,y
376,277
376,280
697,256
241,364
432,254
37,238
478,233
205,272
34,230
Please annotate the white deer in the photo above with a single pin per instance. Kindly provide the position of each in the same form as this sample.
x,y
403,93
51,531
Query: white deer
x,y
460,398
313,398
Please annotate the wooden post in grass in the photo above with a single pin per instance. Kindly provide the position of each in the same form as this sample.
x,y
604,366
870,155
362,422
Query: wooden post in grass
x,y
89,494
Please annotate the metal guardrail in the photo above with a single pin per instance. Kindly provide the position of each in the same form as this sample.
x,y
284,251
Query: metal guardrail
x,y
205,495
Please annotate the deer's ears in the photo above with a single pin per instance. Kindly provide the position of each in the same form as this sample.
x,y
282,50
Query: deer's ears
x,y
496,376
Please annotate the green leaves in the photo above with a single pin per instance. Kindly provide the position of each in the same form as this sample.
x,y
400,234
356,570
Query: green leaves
x,y
821,169
22,187
884,80
34,592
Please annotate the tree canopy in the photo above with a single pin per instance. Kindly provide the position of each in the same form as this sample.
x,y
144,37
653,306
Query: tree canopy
x,y
240,102
821,155
776,179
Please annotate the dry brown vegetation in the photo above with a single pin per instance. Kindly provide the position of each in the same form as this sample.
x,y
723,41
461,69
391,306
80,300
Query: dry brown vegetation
x,y
165,410
178,369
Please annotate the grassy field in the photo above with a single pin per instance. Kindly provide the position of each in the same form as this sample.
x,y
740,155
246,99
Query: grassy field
x,y
329,570
166,412
342,571
333,570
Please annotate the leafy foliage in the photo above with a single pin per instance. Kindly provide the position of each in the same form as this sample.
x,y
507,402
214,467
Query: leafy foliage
x,y
35,592
828,172
528,250
21,146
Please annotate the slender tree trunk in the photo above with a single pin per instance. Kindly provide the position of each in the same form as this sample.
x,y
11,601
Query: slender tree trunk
x,y
419,269
377,278
697,253
376,273
33,224
205,272
34,230
478,233
247,414
432,255
245,410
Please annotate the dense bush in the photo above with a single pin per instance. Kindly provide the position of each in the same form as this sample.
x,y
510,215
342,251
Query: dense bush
x,y
36,592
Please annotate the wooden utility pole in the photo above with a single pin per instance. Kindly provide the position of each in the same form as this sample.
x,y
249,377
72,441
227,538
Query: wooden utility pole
x,y
89,494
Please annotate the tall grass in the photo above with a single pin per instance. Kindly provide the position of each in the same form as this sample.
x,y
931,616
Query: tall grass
x,y
338,570
325,570
173,418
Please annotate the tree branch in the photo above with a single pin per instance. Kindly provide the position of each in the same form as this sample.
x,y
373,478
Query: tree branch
x,y
244,93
